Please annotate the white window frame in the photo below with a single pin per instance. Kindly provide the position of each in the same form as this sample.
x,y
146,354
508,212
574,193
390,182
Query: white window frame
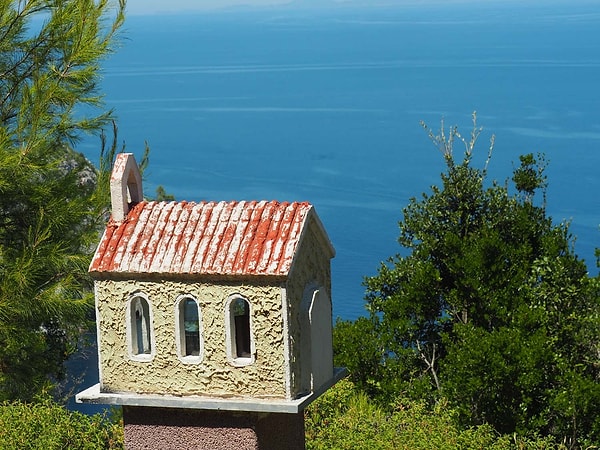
x,y
180,331
131,329
230,334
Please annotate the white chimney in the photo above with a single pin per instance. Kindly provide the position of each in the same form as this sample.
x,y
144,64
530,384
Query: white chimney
x,y
125,186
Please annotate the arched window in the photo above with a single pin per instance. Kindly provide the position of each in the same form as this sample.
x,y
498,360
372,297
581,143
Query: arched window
x,y
140,335
188,326
240,344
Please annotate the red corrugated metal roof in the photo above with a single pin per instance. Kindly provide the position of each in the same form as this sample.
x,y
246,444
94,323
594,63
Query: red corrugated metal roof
x,y
225,238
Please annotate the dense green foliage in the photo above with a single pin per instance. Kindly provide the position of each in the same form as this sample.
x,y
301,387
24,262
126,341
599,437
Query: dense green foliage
x,y
52,200
343,418
346,419
487,306
45,425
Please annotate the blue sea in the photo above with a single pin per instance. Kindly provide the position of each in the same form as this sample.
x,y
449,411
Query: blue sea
x,y
324,105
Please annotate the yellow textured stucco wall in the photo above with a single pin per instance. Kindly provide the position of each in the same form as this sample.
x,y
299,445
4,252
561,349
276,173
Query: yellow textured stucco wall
x,y
214,375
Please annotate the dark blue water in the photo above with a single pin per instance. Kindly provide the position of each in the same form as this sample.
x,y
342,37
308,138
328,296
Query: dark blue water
x,y
325,106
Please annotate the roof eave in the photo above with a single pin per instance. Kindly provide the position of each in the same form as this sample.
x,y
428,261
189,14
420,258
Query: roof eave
x,y
124,276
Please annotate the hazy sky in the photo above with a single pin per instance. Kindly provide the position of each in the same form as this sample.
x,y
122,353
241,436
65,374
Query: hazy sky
x,y
166,6
136,7
171,6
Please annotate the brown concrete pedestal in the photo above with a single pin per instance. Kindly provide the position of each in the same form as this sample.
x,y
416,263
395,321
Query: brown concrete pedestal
x,y
174,428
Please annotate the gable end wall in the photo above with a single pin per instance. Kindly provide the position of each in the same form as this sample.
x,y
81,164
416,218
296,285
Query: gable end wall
x,y
312,266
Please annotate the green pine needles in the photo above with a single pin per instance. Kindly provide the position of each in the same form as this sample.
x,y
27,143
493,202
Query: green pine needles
x,y
51,198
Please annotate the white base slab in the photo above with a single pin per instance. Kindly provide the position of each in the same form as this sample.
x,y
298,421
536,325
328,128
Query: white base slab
x,y
94,396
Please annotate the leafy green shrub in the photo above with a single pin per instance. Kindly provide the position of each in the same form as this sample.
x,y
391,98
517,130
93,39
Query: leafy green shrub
x,y
485,304
47,425
345,418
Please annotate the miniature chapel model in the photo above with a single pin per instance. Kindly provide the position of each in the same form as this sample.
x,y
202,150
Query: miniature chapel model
x,y
214,306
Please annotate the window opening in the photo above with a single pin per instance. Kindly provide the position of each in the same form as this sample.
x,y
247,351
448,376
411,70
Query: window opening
x,y
188,310
140,326
238,331
240,309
